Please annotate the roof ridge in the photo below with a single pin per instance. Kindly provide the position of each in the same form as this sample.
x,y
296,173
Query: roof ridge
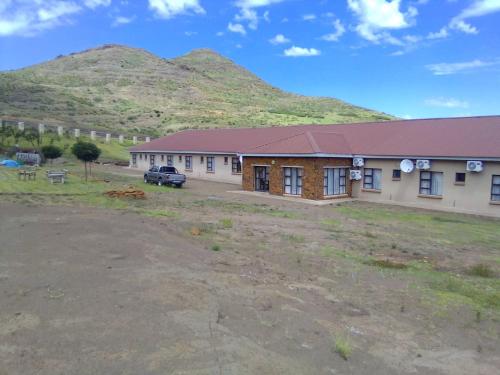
x,y
277,140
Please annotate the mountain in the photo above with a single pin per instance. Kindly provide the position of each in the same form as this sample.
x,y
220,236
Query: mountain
x,y
116,87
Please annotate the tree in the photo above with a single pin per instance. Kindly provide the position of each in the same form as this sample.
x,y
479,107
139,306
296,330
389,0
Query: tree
x,y
51,152
86,152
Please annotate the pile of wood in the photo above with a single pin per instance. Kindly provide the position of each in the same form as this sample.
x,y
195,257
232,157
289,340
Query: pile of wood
x,y
131,192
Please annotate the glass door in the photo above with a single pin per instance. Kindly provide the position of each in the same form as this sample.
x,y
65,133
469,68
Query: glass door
x,y
261,178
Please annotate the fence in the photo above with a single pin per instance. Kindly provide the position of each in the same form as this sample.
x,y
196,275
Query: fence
x,y
61,130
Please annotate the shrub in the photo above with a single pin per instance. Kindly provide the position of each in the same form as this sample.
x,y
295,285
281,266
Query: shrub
x,y
215,248
86,152
51,152
343,348
226,223
481,270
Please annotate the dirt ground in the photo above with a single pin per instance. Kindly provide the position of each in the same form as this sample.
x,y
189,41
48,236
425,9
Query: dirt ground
x,y
229,284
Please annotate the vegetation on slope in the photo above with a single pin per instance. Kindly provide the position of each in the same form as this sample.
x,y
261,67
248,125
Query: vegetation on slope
x,y
116,87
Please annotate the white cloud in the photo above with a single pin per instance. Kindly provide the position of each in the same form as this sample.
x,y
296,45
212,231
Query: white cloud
x,y
248,15
190,33
121,20
92,4
279,39
443,69
295,51
27,18
219,33
339,31
375,16
463,26
309,17
478,8
171,8
446,103
256,3
441,34
236,28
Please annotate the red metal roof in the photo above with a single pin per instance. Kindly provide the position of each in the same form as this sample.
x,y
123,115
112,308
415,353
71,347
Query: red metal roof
x,y
465,137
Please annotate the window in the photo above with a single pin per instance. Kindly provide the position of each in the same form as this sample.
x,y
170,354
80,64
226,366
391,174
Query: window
x,y
431,183
145,156
210,164
225,160
293,181
334,181
134,160
372,179
140,156
188,162
168,170
202,159
170,160
180,158
163,158
460,178
396,174
495,188
151,160
236,165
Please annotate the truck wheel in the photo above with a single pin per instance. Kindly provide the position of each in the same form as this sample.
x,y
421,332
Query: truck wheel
x,y
145,180
160,182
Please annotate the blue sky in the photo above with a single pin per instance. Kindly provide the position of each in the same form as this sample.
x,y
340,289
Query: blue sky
x,y
419,58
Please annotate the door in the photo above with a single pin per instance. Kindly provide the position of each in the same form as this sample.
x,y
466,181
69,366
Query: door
x,y
261,178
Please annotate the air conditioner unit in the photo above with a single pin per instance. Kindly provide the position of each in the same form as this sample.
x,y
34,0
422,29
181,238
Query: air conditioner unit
x,y
423,164
355,175
358,162
474,166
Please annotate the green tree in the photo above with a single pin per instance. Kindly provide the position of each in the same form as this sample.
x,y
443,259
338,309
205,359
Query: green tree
x,y
86,152
51,152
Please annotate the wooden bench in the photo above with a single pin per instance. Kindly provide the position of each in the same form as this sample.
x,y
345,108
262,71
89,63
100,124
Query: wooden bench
x,y
27,173
57,176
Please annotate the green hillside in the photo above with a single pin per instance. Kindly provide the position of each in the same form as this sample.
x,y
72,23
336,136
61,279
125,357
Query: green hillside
x,y
120,88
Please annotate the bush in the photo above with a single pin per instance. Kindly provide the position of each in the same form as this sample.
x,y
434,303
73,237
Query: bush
x,y
343,348
481,270
51,152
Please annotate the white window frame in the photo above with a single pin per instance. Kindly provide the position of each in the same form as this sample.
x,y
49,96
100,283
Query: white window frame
x,y
338,177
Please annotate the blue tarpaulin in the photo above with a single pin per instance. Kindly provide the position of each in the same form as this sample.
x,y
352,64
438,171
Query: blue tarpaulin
x,y
9,163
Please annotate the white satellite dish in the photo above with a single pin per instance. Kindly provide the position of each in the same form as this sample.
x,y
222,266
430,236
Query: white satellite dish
x,y
407,166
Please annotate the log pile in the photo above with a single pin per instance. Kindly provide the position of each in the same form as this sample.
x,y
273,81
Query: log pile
x,y
131,192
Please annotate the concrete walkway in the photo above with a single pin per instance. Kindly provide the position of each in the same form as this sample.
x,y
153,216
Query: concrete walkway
x,y
292,199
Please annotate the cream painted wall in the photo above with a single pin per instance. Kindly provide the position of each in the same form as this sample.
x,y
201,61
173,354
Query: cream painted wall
x,y
473,197
223,172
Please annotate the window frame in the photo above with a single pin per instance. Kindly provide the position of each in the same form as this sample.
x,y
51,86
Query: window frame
x,y
396,174
180,158
202,159
494,197
162,157
432,174
460,182
210,164
152,159
298,183
188,162
226,160
170,160
340,182
134,160
235,166
369,185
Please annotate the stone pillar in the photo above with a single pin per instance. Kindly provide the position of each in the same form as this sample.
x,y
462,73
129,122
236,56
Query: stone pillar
x,y
77,133
41,128
120,138
108,138
134,139
20,126
148,139
60,131
92,135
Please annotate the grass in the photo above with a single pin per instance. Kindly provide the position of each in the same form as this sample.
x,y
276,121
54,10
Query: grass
x,y
343,347
236,207
481,270
159,213
226,223
215,248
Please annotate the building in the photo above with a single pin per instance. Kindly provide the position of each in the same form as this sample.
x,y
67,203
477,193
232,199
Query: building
x,y
450,164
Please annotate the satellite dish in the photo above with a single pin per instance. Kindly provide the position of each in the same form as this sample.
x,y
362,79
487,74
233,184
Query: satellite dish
x,y
407,166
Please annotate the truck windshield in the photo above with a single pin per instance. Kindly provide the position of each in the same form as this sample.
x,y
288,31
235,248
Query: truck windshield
x,y
168,170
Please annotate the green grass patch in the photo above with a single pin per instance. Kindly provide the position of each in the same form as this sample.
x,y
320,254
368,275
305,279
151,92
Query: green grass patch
x,y
215,248
226,223
159,213
343,347
481,270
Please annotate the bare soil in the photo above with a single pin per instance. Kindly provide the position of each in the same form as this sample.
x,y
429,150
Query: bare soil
x,y
100,291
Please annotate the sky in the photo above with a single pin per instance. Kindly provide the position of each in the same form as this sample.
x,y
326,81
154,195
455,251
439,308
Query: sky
x,y
412,59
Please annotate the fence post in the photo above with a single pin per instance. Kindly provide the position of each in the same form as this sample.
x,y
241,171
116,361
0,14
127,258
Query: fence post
x,y
120,138
92,135
60,131
77,133
134,139
148,139
20,126
108,138
41,129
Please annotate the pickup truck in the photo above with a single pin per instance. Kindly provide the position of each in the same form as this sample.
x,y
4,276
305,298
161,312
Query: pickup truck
x,y
164,176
